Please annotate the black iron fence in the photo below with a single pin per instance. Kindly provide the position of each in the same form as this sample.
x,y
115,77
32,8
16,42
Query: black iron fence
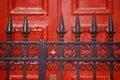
x,y
92,56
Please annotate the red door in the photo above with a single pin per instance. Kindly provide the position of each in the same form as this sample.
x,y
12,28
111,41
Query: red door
x,y
43,18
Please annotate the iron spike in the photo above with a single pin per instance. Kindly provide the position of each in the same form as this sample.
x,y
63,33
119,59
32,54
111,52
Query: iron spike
x,y
25,30
110,28
77,25
94,29
9,29
77,29
61,29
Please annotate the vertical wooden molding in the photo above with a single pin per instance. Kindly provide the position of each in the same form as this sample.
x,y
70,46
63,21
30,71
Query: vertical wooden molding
x,y
11,5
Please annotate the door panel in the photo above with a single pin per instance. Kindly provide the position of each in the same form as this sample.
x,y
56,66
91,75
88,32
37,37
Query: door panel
x,y
37,17
85,9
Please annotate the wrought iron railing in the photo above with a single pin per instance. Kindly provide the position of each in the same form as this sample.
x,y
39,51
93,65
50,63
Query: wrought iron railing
x,y
60,55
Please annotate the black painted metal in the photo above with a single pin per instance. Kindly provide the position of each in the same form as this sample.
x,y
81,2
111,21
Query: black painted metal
x,y
9,31
42,60
94,29
55,52
61,29
77,30
110,30
25,31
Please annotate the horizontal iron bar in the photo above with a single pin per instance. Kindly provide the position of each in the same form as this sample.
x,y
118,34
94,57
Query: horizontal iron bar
x,y
64,59
19,43
59,43
83,43
19,59
85,59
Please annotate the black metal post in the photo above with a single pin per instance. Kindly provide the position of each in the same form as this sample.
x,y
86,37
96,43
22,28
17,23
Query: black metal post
x,y
25,53
111,55
77,52
61,31
77,31
61,54
25,31
111,31
94,31
94,52
9,31
8,51
42,60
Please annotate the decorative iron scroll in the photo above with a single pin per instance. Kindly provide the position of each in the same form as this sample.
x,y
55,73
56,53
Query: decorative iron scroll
x,y
59,55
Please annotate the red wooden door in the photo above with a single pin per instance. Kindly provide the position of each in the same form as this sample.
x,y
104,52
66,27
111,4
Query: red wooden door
x,y
43,19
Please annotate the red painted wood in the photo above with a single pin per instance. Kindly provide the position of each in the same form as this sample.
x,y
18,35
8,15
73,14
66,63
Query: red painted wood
x,y
43,19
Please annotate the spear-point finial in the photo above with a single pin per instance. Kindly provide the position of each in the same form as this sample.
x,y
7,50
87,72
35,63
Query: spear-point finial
x,y
9,30
25,30
94,29
77,29
110,30
61,29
